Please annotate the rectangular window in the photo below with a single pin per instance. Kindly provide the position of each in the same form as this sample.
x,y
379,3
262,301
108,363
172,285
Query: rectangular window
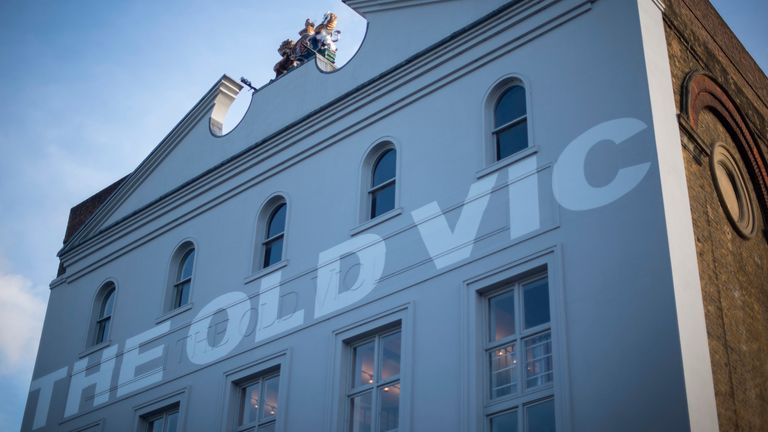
x,y
518,352
165,420
373,393
258,402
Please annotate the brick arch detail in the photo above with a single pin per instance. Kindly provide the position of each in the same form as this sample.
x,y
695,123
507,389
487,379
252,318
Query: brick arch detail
x,y
701,91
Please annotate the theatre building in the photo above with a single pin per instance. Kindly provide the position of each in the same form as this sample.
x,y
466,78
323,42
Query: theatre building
x,y
536,215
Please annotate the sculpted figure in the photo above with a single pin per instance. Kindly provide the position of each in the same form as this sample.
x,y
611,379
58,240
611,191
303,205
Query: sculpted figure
x,y
326,35
303,49
287,62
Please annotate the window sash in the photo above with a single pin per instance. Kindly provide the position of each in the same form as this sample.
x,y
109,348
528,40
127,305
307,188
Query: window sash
x,y
373,192
378,383
262,419
162,417
510,124
381,185
102,329
519,338
178,289
267,244
503,128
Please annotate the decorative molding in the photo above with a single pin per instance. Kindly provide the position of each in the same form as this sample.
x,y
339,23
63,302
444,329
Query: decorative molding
x,y
370,6
702,92
147,166
660,4
226,92
326,119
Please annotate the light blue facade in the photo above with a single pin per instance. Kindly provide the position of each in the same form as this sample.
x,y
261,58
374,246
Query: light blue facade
x,y
597,204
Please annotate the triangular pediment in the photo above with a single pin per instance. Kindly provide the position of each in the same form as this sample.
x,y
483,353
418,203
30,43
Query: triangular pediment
x,y
399,34
183,154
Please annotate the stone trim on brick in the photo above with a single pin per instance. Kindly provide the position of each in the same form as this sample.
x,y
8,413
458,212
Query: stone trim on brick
x,y
701,91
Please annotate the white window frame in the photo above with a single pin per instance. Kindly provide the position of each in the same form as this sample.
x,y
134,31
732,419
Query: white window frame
x,y
376,383
262,220
96,318
179,252
371,156
176,400
400,317
489,129
238,378
480,407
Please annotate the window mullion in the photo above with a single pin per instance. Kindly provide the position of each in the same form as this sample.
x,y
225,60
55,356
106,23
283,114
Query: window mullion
x,y
273,238
381,185
510,124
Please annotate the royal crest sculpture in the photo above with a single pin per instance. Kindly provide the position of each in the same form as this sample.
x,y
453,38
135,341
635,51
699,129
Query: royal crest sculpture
x,y
288,61
313,41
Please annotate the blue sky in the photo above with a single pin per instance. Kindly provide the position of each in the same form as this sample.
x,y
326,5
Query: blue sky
x,y
90,87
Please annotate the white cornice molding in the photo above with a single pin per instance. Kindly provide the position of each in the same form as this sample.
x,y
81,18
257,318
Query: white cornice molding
x,y
370,6
327,118
223,87
660,4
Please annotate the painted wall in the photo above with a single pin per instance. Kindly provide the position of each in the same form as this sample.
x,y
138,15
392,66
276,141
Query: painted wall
x,y
585,203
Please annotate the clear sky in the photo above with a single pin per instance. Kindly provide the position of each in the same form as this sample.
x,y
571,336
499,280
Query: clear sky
x,y
90,87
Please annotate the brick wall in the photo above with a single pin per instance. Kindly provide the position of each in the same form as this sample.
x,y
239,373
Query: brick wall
x,y
733,269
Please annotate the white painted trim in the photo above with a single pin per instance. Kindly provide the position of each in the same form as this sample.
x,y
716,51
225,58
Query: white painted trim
x,y
694,344
556,12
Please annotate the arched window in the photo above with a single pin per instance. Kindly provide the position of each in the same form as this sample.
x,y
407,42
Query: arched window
x,y
183,278
510,122
274,235
381,192
105,304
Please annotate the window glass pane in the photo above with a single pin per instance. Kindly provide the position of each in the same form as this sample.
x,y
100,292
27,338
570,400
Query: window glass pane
x,y
276,223
187,261
540,417
182,294
536,303
249,409
511,140
503,370
172,422
502,315
383,200
270,397
108,304
361,413
390,356
389,415
511,106
155,425
363,361
384,168
103,331
273,252
538,360
506,422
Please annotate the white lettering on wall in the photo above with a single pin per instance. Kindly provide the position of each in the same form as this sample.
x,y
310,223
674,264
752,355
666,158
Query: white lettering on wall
x,y
371,252
236,306
523,197
45,385
267,322
133,358
569,182
447,247
101,379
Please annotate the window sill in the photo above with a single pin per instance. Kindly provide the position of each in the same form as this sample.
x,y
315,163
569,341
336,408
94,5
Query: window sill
x,y
265,271
375,221
95,348
507,161
170,314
